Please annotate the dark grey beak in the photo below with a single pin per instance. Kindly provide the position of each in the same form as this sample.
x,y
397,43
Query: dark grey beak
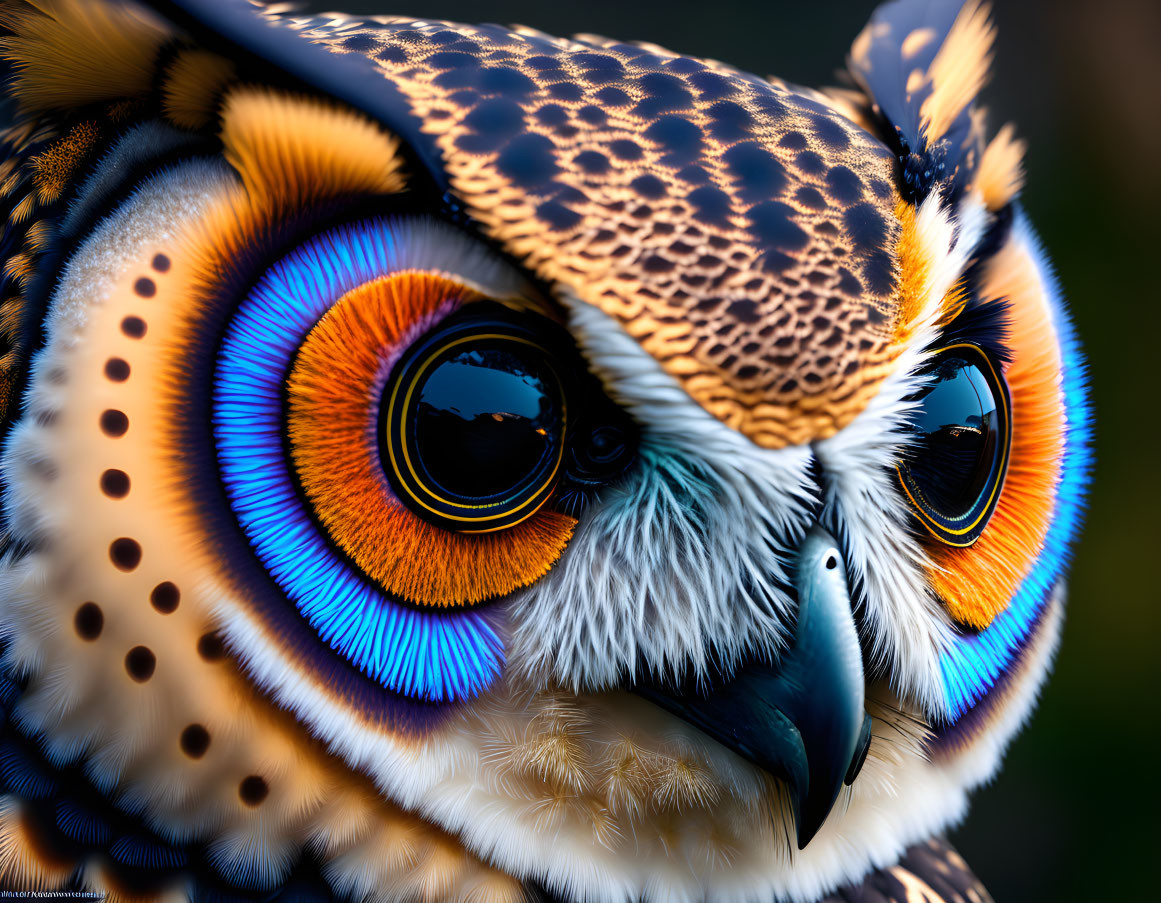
x,y
803,719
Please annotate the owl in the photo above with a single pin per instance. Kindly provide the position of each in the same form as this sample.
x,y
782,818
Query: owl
x,y
455,463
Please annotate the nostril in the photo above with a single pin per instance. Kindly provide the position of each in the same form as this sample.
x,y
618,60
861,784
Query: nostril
x,y
831,563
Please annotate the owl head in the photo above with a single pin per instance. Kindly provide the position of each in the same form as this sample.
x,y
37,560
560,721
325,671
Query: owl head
x,y
444,460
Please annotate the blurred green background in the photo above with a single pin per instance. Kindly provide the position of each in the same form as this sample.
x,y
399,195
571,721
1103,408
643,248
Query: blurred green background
x,y
1071,816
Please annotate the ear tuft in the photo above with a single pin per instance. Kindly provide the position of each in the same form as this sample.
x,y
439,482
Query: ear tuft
x,y
958,72
921,64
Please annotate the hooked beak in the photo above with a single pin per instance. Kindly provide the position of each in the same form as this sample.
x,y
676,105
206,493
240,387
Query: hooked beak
x,y
802,719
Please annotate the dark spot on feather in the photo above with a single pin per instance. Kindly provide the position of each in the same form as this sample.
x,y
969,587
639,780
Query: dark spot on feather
x,y
711,205
694,175
253,790
116,369
844,186
810,163
711,85
743,311
565,91
450,59
493,122
794,141
134,327
613,97
505,80
89,621
528,161
165,597
625,149
360,43
592,162
592,115
210,647
392,55
114,423
772,222
115,483
648,186
195,740
680,137
140,662
758,173
667,93
831,133
551,114
542,63
557,215
125,553
866,228
810,197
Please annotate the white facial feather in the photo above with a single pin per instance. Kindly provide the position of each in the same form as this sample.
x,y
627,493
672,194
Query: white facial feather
x,y
686,559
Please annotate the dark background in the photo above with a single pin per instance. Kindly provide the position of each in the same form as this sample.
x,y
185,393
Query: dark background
x,y
1072,815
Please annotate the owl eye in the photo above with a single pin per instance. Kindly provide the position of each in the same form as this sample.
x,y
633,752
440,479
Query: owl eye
x,y
378,391
474,420
961,434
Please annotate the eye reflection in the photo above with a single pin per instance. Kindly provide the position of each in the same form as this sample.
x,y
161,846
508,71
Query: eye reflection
x,y
956,429
956,460
474,420
487,422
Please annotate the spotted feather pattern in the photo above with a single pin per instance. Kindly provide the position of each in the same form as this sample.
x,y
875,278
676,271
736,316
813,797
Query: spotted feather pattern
x,y
726,221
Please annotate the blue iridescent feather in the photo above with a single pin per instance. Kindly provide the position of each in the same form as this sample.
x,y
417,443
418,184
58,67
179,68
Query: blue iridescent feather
x,y
977,661
433,656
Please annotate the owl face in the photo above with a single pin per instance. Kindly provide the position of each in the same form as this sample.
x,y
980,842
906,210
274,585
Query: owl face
x,y
447,458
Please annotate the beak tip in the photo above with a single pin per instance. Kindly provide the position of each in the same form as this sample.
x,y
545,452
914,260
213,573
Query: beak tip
x,y
809,817
805,837
803,718
862,747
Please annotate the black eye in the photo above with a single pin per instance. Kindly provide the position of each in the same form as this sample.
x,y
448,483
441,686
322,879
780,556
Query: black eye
x,y
600,451
474,421
954,466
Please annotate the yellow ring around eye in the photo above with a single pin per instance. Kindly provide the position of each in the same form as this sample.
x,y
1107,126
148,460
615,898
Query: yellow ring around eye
x,y
920,505
977,582
334,392
537,495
